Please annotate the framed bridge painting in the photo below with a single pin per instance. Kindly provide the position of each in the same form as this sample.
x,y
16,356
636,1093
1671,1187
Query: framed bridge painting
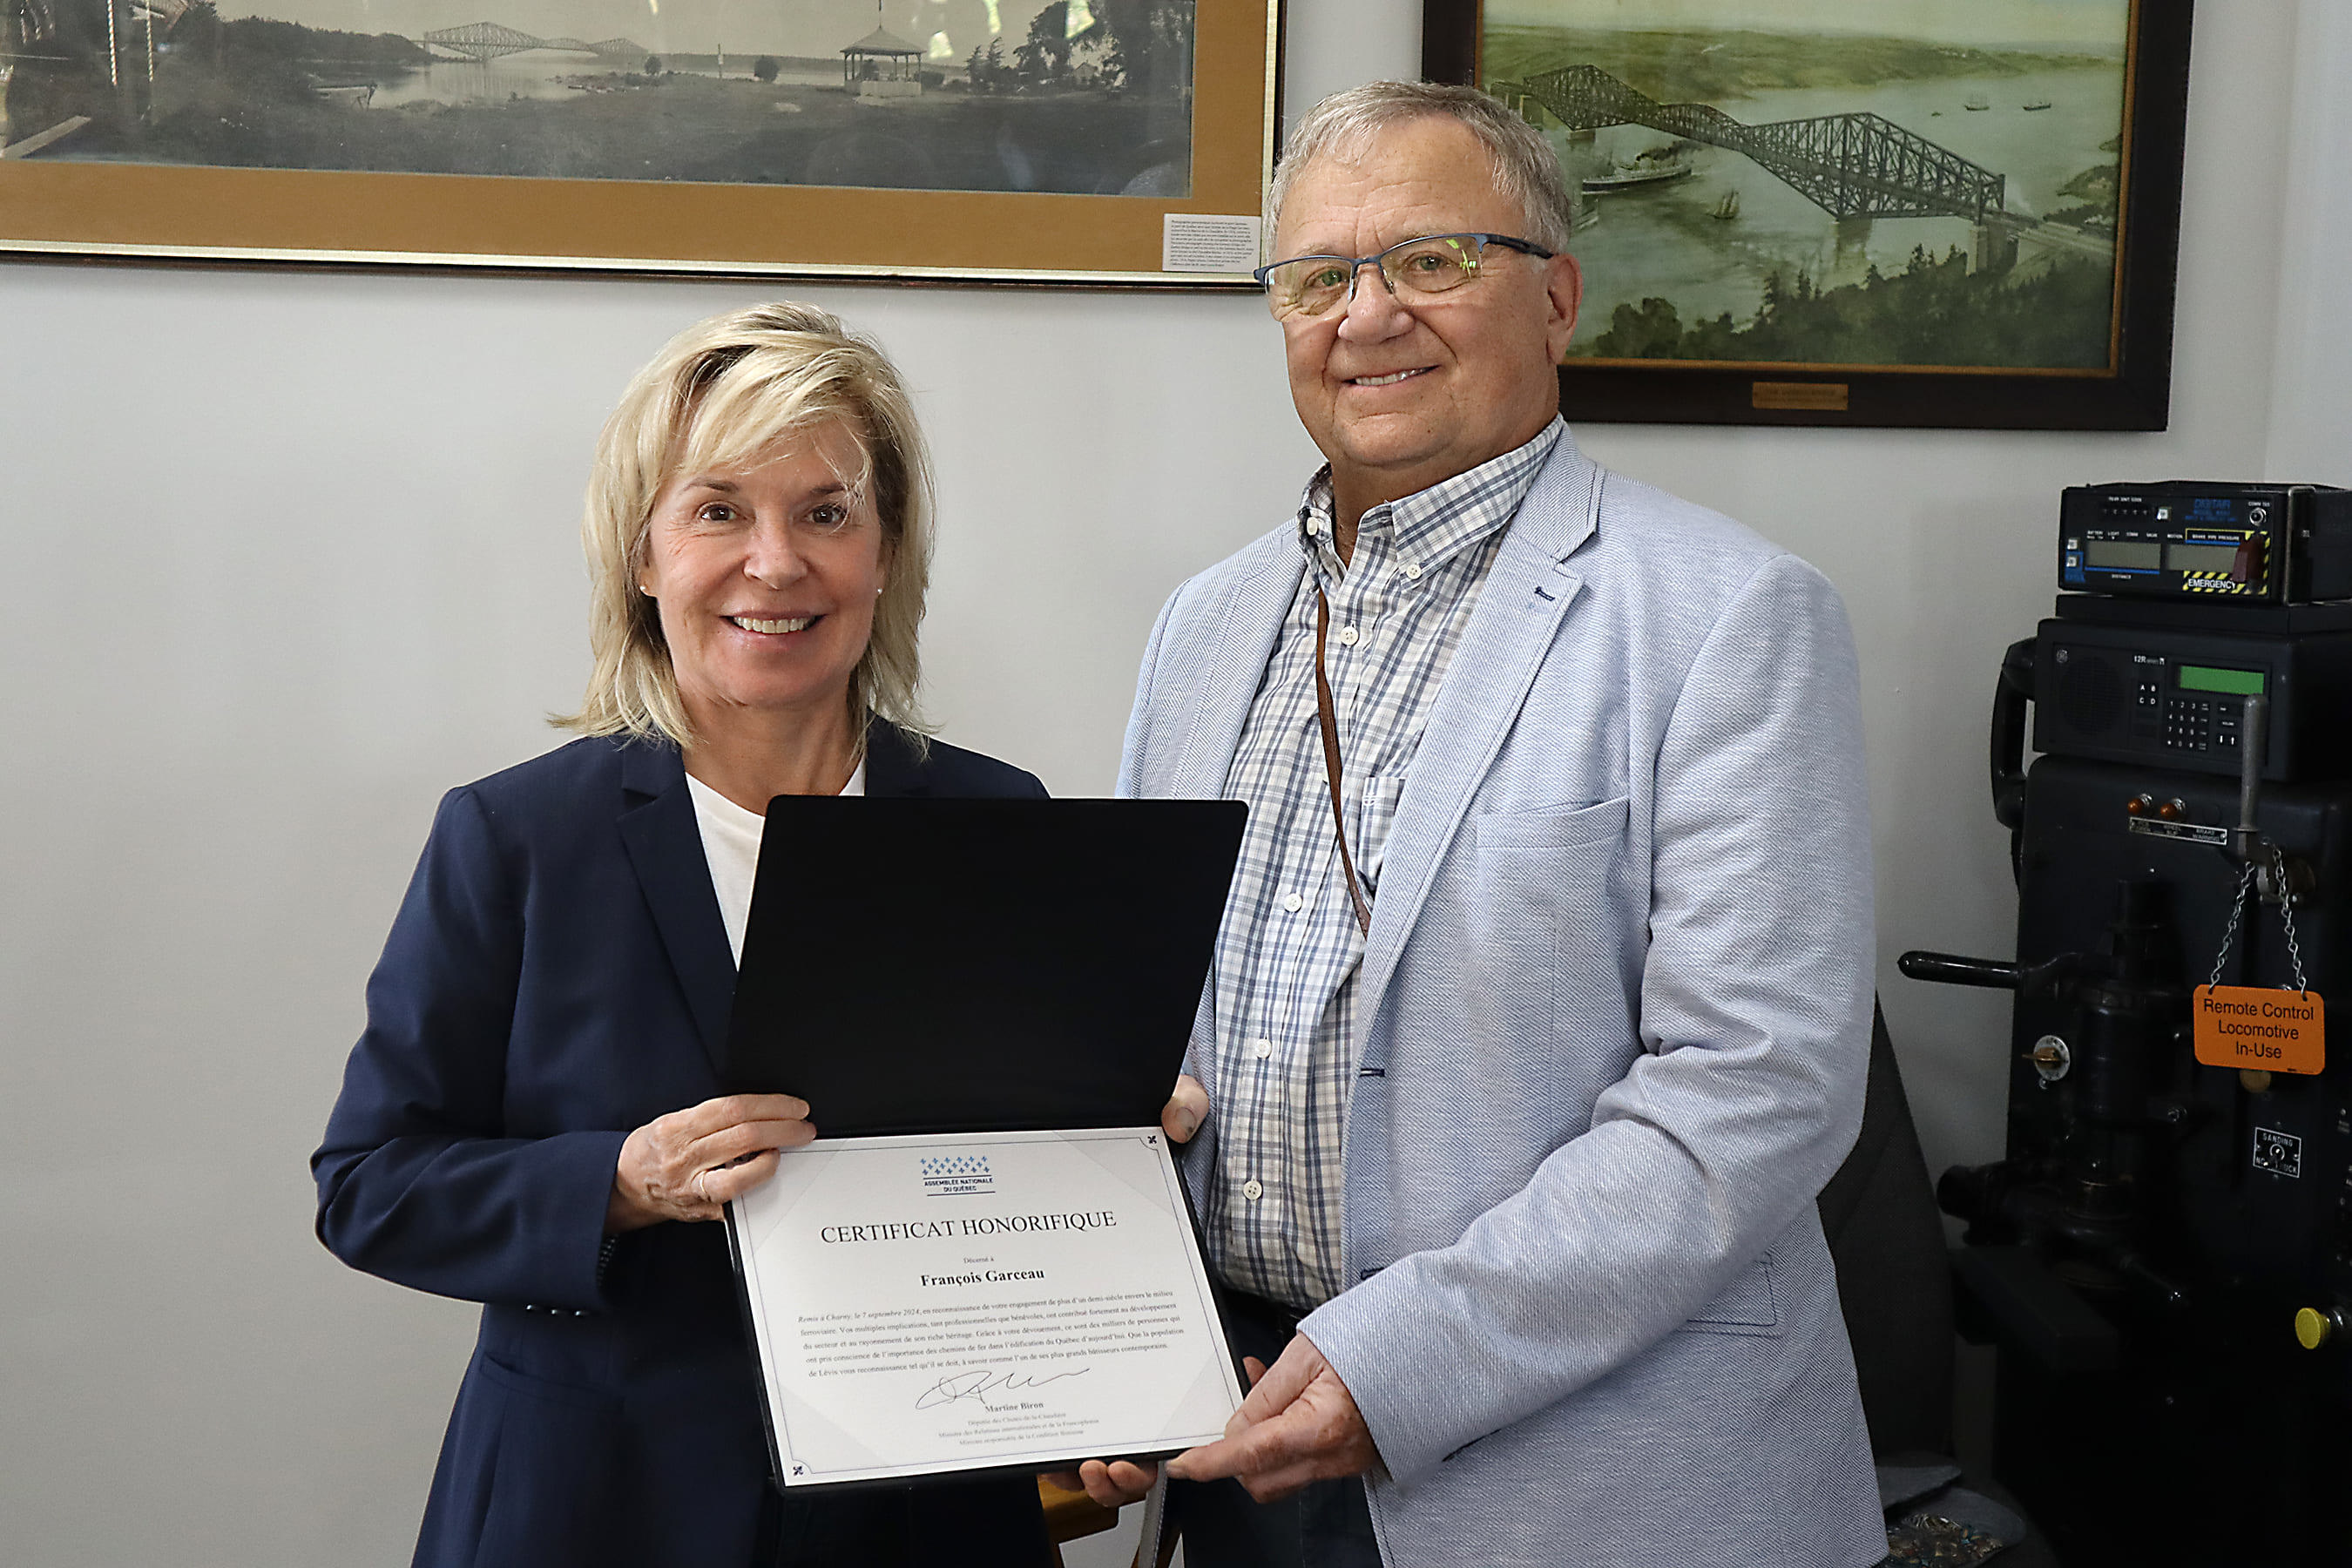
x,y
1961,213
1100,142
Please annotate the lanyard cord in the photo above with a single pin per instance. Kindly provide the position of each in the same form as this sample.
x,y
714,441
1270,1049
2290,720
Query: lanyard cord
x,y
1330,727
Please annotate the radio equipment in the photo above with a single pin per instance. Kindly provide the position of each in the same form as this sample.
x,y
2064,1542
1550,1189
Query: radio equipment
x,y
2129,682
2265,544
2163,1257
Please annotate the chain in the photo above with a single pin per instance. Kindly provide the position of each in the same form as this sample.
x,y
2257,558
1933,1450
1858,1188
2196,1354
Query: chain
x,y
2286,914
2230,936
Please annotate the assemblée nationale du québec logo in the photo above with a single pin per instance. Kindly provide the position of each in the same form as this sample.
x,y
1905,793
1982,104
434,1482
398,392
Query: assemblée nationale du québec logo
x,y
956,1175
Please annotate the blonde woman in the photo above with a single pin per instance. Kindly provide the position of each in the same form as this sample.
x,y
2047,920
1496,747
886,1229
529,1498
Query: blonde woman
x,y
533,1118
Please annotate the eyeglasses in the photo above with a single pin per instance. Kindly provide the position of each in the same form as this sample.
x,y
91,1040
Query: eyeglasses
x,y
1306,287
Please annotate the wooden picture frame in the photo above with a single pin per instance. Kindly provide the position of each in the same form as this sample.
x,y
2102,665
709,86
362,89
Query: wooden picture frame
x,y
1892,164
1202,235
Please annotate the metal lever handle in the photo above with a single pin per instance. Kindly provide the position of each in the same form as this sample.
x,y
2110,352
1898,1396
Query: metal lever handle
x,y
1951,969
2246,841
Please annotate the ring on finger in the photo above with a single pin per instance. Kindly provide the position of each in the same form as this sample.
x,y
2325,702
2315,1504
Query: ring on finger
x,y
701,1191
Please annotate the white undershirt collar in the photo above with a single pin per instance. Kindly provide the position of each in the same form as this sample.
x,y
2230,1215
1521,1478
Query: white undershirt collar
x,y
730,844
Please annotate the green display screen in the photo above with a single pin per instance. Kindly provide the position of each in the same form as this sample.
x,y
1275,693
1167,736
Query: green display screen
x,y
2200,677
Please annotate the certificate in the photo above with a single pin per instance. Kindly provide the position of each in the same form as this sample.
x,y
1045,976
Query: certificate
x,y
945,1302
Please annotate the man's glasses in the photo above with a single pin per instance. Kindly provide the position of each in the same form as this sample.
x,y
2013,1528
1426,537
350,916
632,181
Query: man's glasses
x,y
1306,287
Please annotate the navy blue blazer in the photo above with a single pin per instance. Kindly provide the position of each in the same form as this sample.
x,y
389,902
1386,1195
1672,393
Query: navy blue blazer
x,y
557,976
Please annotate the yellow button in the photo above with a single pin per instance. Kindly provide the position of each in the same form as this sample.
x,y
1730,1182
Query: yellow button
x,y
2313,1327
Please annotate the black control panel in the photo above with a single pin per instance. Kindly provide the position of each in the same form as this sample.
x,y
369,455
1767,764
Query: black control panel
x,y
2255,545
2199,723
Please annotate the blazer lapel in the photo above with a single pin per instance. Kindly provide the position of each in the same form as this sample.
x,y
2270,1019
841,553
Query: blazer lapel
x,y
1249,620
890,765
1519,612
665,848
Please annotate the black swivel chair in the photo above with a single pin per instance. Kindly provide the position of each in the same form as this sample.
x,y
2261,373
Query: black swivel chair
x,y
1895,1283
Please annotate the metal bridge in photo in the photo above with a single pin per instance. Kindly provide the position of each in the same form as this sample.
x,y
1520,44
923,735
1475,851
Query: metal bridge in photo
x,y
488,40
1851,165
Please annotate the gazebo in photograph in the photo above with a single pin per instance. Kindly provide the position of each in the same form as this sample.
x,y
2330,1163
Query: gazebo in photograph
x,y
881,64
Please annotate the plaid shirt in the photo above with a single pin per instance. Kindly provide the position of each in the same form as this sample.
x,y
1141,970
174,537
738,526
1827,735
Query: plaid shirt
x,y
1289,955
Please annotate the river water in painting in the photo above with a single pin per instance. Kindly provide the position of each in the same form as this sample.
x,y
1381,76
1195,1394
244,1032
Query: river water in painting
x,y
1666,240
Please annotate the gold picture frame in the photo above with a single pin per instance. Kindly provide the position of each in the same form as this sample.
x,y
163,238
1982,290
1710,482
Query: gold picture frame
x,y
52,205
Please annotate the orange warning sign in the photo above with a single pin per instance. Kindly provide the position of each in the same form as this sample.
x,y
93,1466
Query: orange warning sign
x,y
2254,1026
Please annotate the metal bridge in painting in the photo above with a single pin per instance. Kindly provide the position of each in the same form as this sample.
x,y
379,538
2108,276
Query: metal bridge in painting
x,y
488,40
1853,165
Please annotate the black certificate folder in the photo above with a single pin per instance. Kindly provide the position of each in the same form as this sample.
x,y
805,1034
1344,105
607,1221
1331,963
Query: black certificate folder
x,y
916,965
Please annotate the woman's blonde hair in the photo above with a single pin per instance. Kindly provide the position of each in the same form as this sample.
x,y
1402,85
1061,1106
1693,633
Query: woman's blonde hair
x,y
724,394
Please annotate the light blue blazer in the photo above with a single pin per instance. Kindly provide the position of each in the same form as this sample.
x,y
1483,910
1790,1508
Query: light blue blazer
x,y
1618,987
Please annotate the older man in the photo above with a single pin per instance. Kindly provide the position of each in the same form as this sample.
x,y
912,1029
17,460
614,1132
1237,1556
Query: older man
x,y
1542,1007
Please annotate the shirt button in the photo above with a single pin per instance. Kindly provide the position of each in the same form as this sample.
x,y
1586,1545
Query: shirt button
x,y
1263,1048
1294,903
1413,571
1252,1190
1348,635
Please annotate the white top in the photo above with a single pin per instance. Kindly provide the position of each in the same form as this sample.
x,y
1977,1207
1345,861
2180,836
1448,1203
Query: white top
x,y
731,842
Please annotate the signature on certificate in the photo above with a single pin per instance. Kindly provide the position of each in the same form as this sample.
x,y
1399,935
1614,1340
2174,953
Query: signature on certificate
x,y
979,1383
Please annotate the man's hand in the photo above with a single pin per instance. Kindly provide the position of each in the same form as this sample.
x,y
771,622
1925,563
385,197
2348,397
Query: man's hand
x,y
1114,1483
1187,1108
1298,1425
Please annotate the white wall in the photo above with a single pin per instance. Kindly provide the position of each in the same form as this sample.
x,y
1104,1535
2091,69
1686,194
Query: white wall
x,y
2310,402
295,552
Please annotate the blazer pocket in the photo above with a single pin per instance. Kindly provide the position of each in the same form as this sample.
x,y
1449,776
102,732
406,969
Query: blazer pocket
x,y
1750,1306
547,1497
547,1390
1599,823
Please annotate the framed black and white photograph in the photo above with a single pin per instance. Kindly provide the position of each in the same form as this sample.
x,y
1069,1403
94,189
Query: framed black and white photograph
x,y
1849,212
1097,140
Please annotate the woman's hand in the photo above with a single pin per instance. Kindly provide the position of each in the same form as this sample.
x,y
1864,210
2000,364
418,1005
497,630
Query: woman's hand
x,y
686,1165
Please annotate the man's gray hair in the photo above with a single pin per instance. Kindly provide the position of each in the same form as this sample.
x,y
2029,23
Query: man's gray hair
x,y
1525,168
